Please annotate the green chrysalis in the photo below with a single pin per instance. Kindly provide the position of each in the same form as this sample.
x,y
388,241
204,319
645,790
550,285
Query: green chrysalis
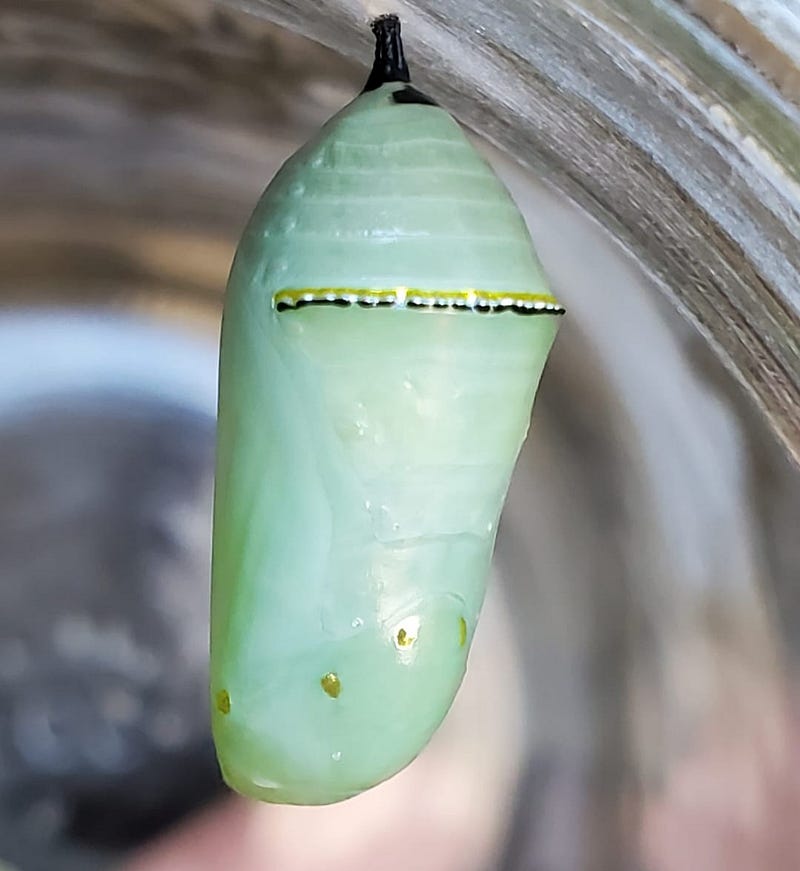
x,y
385,328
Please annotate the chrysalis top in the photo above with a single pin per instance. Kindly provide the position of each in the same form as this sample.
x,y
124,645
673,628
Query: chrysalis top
x,y
391,193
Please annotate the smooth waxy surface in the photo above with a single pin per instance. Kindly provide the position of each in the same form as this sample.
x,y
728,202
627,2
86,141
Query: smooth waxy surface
x,y
390,194
363,454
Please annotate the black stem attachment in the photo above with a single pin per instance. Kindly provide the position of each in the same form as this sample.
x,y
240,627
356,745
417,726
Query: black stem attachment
x,y
390,60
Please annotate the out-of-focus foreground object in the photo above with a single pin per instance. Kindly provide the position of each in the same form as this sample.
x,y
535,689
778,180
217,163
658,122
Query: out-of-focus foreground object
x,y
106,440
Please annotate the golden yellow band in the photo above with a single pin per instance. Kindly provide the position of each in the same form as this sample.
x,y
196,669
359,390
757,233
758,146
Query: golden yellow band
x,y
481,300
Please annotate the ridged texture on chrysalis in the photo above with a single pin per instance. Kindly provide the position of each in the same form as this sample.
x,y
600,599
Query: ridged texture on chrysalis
x,y
385,328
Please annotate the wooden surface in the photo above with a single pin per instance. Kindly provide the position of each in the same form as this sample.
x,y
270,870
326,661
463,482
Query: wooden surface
x,y
765,32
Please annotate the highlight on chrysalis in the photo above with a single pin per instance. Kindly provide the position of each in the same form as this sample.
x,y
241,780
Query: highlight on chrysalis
x,y
385,327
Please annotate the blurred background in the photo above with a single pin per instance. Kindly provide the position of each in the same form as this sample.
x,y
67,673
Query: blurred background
x,y
631,702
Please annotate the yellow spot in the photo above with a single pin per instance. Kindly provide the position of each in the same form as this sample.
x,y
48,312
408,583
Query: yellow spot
x,y
462,631
223,702
404,639
331,684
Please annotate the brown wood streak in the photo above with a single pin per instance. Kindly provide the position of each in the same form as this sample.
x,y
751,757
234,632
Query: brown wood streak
x,y
770,43
620,119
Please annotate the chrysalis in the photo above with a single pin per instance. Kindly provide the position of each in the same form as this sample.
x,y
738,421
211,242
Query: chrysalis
x,y
385,328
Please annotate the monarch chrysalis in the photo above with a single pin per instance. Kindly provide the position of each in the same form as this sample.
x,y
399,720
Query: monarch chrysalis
x,y
385,328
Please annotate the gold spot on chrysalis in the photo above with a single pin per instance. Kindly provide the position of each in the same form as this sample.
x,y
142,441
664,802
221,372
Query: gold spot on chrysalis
x,y
223,702
331,684
404,639
462,631
405,635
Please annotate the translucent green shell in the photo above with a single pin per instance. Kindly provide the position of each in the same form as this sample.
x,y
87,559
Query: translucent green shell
x,y
385,329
